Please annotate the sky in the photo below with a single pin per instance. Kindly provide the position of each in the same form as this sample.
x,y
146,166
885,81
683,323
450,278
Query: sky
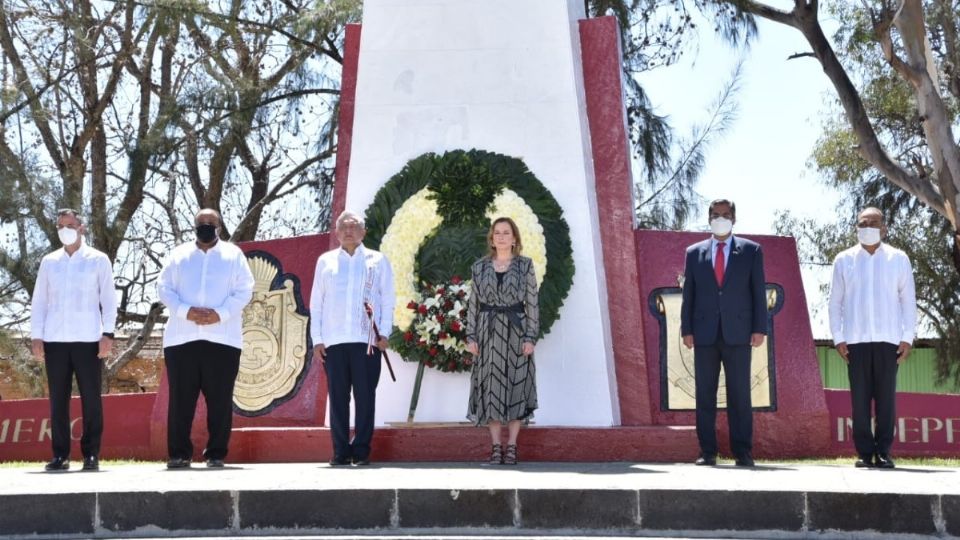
x,y
761,163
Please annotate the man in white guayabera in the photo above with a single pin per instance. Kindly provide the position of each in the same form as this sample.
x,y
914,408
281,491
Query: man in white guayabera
x,y
346,280
205,284
873,319
72,323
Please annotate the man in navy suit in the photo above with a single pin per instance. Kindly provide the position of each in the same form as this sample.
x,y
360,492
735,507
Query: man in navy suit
x,y
723,314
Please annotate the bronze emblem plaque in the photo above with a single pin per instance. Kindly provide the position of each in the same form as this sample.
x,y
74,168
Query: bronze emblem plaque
x,y
275,340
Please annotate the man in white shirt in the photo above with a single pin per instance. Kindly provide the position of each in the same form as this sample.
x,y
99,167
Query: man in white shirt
x,y
873,318
205,286
345,279
72,322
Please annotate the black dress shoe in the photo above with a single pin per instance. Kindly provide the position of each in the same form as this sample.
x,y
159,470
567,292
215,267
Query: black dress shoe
x,y
745,460
884,461
706,460
215,463
91,463
58,464
178,463
864,462
339,461
361,462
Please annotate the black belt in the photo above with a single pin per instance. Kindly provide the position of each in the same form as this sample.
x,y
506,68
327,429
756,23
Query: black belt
x,y
512,312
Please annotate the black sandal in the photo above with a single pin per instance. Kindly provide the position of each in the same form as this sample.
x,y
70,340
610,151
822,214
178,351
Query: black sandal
x,y
510,458
496,455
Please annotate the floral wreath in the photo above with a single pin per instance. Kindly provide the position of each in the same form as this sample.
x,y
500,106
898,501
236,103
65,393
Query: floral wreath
x,y
431,219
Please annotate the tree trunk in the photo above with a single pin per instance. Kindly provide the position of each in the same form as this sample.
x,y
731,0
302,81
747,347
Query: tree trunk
x,y
134,345
956,251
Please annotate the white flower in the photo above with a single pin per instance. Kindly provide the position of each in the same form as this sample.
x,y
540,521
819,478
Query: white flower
x,y
411,223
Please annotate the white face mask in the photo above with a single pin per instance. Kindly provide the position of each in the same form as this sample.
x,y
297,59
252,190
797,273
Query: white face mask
x,y
67,236
868,236
721,226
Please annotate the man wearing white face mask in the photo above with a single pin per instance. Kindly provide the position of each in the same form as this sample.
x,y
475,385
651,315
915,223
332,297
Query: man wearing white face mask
x,y
74,310
873,318
723,314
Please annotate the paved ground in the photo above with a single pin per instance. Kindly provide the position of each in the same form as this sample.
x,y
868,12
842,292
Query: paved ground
x,y
449,500
630,476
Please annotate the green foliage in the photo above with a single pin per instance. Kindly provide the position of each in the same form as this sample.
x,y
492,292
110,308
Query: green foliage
x,y
464,188
836,157
891,105
450,251
653,35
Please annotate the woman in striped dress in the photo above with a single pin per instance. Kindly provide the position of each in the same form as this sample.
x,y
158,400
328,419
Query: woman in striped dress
x,y
503,323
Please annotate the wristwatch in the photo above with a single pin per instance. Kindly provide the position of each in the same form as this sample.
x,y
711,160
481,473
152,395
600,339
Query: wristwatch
x,y
108,334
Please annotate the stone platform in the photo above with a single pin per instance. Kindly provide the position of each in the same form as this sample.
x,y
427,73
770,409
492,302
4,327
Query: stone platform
x,y
613,499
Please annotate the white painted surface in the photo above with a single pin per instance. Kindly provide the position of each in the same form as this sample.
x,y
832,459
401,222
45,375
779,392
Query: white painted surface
x,y
501,76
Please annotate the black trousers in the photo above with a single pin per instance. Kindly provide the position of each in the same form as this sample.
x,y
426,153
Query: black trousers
x,y
735,360
194,367
873,383
64,360
349,368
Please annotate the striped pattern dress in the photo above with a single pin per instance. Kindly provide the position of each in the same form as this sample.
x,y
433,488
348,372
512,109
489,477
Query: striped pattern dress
x,y
501,316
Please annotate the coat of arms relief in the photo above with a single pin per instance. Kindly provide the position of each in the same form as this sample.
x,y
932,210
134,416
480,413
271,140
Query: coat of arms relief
x,y
274,341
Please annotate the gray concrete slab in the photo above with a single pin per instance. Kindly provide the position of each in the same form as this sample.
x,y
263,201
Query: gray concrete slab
x,y
146,500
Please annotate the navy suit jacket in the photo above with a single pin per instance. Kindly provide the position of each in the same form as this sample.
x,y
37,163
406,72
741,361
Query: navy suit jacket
x,y
738,307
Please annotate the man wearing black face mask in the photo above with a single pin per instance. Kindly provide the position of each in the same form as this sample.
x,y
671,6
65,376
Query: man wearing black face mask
x,y
205,285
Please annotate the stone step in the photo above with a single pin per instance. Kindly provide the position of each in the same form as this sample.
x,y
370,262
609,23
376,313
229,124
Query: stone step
x,y
591,499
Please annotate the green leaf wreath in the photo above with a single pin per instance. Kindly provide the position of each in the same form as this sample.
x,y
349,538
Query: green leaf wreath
x,y
464,185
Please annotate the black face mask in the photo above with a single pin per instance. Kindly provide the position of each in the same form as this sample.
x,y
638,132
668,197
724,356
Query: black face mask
x,y
206,233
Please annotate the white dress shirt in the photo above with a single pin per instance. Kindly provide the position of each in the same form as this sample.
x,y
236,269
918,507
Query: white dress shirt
x,y
872,297
341,285
219,279
74,299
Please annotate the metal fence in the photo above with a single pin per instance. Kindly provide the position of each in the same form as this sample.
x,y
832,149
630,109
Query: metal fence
x,y
918,374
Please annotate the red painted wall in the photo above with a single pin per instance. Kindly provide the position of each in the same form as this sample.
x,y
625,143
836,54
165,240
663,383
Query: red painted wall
x,y
927,424
25,431
348,100
799,426
603,87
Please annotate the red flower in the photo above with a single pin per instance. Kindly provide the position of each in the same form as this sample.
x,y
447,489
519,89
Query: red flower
x,y
422,309
448,305
433,351
467,361
455,326
429,363
408,336
421,342
461,294
451,365
456,280
412,305
440,291
442,335
440,318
